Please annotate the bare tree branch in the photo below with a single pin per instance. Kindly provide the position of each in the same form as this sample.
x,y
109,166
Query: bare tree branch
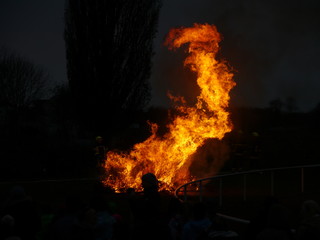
x,y
21,81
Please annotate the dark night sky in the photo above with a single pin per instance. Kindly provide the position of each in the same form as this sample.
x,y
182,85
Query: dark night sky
x,y
34,29
273,45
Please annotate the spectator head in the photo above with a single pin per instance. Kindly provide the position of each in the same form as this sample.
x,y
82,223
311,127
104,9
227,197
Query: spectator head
x,y
7,221
17,193
310,208
149,182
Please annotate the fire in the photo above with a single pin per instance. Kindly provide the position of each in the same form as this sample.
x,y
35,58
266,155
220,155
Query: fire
x,y
169,156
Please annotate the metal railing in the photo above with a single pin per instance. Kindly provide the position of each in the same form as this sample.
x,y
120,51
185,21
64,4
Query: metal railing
x,y
245,174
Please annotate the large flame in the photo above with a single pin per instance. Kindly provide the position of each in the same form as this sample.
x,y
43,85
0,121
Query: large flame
x,y
168,157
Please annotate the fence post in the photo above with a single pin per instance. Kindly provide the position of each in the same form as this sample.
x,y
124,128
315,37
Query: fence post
x,y
185,193
200,190
302,180
272,183
220,192
245,187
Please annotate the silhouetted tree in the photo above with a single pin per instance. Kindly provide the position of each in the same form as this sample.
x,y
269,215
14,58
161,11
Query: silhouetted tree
x,y
276,105
21,81
109,47
291,104
23,127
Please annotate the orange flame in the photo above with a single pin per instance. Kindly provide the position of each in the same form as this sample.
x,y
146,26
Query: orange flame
x,y
168,157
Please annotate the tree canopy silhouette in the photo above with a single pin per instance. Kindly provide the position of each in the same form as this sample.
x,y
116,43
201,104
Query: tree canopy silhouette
x,y
21,81
109,46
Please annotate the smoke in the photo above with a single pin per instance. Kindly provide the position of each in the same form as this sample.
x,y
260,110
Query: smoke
x,y
272,45
209,159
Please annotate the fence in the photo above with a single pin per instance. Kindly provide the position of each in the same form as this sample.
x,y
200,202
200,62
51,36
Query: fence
x,y
197,187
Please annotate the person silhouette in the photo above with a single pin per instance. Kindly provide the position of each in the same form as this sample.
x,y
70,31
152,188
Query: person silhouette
x,y
149,211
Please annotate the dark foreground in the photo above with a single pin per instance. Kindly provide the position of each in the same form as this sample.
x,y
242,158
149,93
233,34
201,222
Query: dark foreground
x,y
83,209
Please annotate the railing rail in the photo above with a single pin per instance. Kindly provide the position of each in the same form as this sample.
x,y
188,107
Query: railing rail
x,y
199,182
244,185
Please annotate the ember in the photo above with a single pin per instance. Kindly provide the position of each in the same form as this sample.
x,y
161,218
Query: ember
x,y
169,157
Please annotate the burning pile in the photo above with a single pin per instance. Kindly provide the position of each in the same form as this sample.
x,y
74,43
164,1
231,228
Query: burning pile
x,y
168,157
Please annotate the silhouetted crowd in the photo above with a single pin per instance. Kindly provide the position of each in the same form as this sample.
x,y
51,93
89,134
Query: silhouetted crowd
x,y
148,215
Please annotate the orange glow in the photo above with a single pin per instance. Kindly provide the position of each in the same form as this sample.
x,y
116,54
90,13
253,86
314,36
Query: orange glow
x,y
168,157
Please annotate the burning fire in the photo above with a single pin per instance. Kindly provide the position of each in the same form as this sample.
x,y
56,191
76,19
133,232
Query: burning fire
x,y
169,156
